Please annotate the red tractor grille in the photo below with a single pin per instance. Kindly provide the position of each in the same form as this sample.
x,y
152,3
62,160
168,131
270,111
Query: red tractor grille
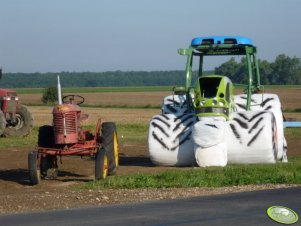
x,y
70,123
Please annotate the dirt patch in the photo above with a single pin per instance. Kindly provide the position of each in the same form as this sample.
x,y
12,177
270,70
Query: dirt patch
x,y
111,99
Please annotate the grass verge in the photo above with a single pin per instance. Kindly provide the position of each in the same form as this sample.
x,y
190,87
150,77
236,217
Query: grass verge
x,y
231,175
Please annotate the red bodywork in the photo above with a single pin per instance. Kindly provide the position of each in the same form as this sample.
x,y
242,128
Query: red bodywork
x,y
9,101
66,119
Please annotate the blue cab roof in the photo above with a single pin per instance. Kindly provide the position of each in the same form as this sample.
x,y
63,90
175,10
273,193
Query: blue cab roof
x,y
210,40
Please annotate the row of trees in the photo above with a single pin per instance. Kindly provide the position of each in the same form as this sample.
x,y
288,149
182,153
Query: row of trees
x,y
94,79
284,71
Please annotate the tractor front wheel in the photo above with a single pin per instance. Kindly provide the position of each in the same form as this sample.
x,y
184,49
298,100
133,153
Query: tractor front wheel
x,y
34,168
110,144
22,125
101,164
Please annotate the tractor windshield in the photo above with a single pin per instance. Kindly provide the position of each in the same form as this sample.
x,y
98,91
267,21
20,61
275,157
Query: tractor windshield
x,y
209,86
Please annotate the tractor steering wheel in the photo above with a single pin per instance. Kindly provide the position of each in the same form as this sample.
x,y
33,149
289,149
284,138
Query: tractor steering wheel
x,y
73,99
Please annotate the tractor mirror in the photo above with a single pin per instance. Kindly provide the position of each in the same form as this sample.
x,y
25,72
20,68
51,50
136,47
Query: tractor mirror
x,y
183,52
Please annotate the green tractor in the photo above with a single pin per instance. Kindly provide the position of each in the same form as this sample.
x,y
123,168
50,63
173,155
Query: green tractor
x,y
211,126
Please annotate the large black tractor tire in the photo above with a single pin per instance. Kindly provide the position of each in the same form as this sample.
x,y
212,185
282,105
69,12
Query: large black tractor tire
x,y
101,164
110,144
49,168
23,125
2,123
34,168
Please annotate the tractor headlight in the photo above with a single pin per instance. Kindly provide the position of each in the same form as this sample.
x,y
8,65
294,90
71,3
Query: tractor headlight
x,y
221,103
214,102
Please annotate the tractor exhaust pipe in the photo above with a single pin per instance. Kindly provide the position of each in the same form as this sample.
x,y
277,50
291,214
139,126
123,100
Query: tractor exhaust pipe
x,y
59,90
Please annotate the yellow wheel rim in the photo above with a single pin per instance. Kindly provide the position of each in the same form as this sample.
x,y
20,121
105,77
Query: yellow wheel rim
x,y
38,174
116,149
105,166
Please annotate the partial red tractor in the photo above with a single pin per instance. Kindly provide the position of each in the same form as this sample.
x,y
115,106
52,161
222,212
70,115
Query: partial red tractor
x,y
15,119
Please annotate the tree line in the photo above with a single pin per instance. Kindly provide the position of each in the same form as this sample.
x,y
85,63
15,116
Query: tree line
x,y
284,70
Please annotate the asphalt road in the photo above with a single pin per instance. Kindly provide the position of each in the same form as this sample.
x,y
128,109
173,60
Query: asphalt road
x,y
248,208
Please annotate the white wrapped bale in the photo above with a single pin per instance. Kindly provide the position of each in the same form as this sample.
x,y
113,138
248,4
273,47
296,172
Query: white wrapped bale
x,y
212,156
210,148
266,102
169,140
251,137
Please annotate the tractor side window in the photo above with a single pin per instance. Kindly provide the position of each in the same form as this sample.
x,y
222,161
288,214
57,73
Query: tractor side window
x,y
228,92
209,86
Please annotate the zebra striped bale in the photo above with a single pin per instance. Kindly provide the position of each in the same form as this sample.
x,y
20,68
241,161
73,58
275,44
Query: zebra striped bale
x,y
251,137
174,104
267,102
169,140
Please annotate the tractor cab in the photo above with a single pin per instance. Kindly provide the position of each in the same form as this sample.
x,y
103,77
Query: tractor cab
x,y
215,87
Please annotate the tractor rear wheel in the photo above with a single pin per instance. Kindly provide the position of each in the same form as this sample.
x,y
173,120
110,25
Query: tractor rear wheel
x,y
34,168
23,124
110,144
2,123
101,164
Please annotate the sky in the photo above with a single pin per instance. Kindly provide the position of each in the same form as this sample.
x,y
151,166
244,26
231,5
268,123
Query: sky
x,y
136,35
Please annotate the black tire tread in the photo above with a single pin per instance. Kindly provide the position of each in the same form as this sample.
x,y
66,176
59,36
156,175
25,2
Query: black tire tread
x,y
99,164
107,133
27,124
33,168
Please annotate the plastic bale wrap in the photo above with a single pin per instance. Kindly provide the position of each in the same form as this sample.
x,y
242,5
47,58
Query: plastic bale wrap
x,y
267,102
174,104
251,137
210,148
169,140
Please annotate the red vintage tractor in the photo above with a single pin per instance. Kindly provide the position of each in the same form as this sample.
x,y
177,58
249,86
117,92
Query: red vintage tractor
x,y
15,119
67,137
